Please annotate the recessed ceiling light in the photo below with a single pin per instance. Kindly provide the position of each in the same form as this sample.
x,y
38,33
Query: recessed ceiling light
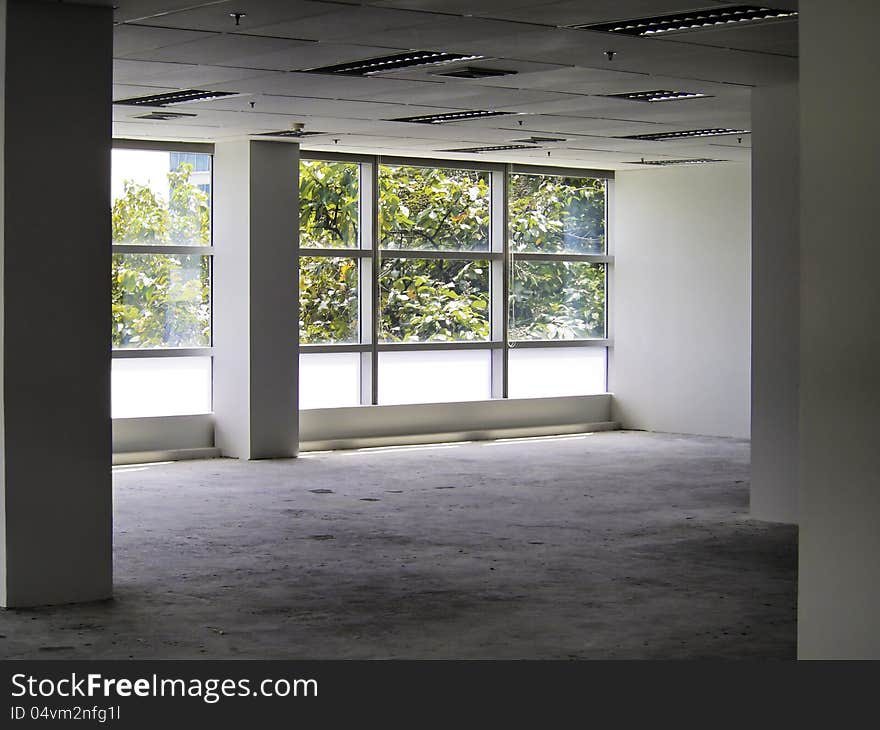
x,y
686,134
658,95
295,133
449,117
475,72
540,140
174,97
165,116
692,20
494,148
665,163
412,59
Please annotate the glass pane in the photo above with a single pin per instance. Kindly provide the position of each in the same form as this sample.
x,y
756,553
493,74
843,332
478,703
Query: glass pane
x,y
557,300
439,376
542,373
160,386
161,198
328,300
161,300
433,299
433,208
552,214
328,204
329,380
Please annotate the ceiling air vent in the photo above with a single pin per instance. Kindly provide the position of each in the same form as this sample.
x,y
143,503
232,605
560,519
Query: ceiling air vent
x,y
449,117
412,59
692,20
475,72
540,140
165,116
494,148
175,97
658,95
687,134
665,163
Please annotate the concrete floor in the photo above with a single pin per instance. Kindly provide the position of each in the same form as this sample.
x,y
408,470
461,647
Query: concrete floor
x,y
610,545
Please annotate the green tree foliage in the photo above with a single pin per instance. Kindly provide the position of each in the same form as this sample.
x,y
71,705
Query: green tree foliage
x,y
552,300
434,299
328,299
444,209
433,208
328,204
161,300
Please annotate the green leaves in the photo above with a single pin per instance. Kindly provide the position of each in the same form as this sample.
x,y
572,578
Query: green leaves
x,y
448,210
161,300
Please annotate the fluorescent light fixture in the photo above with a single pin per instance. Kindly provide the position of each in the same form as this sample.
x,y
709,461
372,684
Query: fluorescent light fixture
x,y
174,97
658,95
475,72
449,117
411,59
494,148
692,20
295,133
165,116
666,163
540,140
686,134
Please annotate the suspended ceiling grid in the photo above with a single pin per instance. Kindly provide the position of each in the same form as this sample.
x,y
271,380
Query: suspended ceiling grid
x,y
561,75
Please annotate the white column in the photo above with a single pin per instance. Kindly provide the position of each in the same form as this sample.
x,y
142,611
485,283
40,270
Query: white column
x,y
775,303
256,303
56,501
839,573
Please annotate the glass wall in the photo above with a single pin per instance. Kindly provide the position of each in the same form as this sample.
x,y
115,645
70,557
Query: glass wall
x,y
427,283
161,282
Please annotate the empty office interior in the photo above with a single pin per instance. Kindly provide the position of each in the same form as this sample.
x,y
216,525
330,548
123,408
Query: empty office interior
x,y
438,329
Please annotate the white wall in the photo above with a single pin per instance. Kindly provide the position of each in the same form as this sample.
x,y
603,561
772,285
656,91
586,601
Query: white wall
x,y
680,299
361,426
839,572
775,303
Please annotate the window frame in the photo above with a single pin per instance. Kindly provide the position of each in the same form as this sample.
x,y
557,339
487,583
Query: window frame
x,y
500,255
193,250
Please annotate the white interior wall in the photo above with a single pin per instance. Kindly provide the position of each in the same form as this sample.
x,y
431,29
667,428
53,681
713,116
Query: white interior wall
x,y
680,299
362,426
775,303
839,571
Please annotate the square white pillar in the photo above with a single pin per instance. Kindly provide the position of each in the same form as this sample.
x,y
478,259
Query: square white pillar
x,y
775,303
55,480
256,298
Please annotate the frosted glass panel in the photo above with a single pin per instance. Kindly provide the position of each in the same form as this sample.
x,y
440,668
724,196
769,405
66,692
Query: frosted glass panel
x,y
437,376
329,380
537,373
161,386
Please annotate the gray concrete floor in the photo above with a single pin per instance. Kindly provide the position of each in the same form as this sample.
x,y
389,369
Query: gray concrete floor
x,y
610,545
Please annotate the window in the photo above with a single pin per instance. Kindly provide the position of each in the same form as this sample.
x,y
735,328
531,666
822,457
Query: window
x,y
161,282
417,285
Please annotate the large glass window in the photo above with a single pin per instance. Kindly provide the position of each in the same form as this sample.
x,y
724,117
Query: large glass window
x,y
557,214
161,282
442,294
433,208
557,300
434,299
